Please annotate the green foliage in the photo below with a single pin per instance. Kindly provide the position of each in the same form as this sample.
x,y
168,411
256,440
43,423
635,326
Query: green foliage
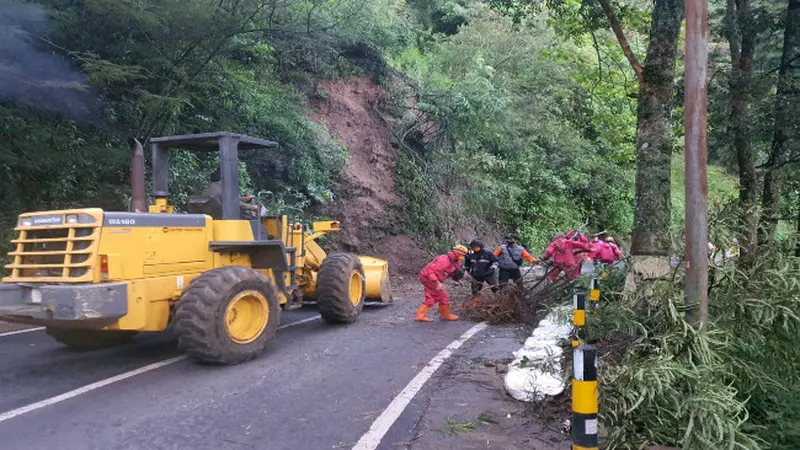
x,y
421,213
513,148
722,188
734,386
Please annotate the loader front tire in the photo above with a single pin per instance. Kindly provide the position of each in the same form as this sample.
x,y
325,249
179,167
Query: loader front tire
x,y
227,315
341,288
86,340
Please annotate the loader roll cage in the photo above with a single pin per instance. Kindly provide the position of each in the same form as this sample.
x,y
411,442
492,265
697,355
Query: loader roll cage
x,y
226,143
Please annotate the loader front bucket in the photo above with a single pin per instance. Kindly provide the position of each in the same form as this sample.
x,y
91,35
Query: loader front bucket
x,y
376,272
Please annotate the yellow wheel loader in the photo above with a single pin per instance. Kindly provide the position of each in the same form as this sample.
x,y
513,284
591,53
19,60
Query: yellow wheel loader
x,y
96,278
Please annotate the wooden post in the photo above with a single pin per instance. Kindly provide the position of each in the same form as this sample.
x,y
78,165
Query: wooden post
x,y
695,156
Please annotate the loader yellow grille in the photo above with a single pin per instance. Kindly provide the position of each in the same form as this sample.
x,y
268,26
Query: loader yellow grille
x,y
63,253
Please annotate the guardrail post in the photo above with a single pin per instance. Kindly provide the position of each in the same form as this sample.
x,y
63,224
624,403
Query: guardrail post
x,y
585,398
594,292
578,316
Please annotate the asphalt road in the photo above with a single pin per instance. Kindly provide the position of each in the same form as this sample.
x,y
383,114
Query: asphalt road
x,y
317,386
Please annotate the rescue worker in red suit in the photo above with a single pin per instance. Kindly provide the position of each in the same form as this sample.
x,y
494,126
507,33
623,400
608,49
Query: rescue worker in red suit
x,y
595,247
575,235
609,252
563,252
432,276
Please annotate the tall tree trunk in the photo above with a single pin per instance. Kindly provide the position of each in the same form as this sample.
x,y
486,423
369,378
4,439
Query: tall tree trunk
x,y
651,234
742,42
787,116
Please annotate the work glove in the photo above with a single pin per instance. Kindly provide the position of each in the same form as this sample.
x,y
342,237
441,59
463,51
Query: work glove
x,y
439,287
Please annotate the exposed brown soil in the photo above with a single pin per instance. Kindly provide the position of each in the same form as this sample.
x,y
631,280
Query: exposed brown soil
x,y
366,196
350,114
405,255
366,202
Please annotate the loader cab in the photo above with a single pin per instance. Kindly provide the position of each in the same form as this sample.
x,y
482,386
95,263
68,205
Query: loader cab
x,y
228,145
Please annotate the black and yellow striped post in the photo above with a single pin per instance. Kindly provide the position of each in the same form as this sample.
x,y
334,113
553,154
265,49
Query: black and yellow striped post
x,y
578,316
594,292
585,398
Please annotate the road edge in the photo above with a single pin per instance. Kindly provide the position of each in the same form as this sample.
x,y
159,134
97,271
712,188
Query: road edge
x,y
373,437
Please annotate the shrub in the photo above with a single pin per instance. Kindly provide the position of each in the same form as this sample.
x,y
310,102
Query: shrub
x,y
734,386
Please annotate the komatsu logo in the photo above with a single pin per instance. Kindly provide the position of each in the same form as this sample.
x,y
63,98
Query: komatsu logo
x,y
47,220
121,221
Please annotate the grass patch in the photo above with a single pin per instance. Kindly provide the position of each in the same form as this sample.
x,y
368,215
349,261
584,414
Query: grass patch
x,y
454,428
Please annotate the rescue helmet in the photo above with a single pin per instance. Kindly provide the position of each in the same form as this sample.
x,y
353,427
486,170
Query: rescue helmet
x,y
476,244
460,249
511,237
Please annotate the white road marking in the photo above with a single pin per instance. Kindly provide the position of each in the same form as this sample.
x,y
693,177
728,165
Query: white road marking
x,y
306,320
27,330
102,383
88,388
372,438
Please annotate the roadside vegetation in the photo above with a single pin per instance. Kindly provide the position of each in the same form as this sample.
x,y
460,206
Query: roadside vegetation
x,y
734,386
508,115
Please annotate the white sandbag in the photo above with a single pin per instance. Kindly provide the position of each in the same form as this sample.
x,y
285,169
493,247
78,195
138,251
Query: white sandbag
x,y
536,371
535,342
528,385
543,354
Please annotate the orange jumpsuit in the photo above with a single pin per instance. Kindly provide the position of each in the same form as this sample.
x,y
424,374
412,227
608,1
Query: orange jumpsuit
x,y
441,268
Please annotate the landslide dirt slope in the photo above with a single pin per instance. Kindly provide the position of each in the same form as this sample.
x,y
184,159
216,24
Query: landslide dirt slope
x,y
366,198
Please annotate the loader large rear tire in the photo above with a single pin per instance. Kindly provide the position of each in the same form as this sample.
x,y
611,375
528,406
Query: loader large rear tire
x,y
227,315
86,340
341,288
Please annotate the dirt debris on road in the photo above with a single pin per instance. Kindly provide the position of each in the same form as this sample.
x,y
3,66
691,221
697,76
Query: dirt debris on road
x,y
465,406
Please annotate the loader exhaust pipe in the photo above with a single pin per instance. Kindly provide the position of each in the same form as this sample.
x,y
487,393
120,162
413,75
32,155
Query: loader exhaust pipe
x,y
138,199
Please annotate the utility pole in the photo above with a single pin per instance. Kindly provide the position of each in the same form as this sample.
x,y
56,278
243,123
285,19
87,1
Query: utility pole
x,y
695,104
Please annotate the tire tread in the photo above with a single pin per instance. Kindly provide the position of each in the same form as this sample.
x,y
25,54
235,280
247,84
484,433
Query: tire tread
x,y
333,288
200,309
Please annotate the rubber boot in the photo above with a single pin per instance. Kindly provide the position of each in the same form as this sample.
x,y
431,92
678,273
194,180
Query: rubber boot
x,y
423,309
444,313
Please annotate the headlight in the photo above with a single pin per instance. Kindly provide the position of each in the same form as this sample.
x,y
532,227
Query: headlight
x,y
25,222
82,218
72,218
